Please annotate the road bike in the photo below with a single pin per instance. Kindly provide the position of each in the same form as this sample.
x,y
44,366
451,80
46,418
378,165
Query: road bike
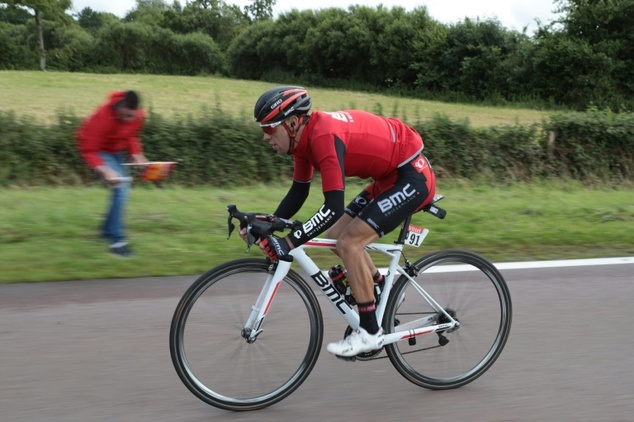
x,y
247,333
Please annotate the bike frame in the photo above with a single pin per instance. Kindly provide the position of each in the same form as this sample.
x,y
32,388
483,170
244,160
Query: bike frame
x,y
409,330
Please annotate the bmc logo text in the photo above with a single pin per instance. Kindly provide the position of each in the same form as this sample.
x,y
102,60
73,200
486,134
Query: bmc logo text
x,y
331,292
317,219
396,199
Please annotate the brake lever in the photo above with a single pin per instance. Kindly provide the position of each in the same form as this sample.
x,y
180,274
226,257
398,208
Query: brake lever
x,y
230,226
250,237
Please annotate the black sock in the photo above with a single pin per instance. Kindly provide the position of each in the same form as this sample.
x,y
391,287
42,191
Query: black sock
x,y
378,279
367,317
379,283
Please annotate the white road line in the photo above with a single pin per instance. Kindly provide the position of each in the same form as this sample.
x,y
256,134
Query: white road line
x,y
565,263
534,264
530,264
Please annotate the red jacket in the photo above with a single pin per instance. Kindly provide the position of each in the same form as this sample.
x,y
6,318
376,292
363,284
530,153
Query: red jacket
x,y
103,132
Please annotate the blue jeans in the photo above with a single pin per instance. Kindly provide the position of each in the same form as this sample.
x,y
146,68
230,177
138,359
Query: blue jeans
x,y
113,228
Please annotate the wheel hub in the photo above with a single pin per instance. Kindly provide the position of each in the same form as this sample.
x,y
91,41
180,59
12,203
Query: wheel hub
x,y
442,318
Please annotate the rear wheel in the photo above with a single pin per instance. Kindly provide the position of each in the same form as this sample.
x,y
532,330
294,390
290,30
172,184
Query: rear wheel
x,y
470,289
212,357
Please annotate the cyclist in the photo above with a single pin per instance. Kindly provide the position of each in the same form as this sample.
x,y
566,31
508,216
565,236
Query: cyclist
x,y
340,144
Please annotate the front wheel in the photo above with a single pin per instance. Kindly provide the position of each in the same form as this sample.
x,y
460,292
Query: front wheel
x,y
210,353
469,289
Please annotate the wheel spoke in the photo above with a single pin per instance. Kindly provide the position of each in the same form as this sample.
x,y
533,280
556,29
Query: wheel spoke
x,y
478,298
214,360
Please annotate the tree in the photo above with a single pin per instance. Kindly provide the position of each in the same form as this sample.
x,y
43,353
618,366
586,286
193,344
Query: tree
x,y
260,9
215,18
93,21
50,9
470,59
14,15
597,20
608,28
149,12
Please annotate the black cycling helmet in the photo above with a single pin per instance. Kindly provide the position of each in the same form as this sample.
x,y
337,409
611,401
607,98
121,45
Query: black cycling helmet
x,y
280,103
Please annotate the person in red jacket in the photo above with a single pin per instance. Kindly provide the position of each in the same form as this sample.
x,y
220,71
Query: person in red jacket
x,y
106,139
338,145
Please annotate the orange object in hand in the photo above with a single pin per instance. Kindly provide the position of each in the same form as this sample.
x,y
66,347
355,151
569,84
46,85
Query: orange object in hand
x,y
156,171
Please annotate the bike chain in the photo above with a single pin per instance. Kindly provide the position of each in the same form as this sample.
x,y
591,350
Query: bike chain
x,y
405,353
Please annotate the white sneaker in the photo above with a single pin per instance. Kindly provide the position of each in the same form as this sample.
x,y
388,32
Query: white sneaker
x,y
359,341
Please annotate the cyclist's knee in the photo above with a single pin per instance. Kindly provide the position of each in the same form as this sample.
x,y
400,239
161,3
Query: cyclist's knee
x,y
353,242
346,246
340,225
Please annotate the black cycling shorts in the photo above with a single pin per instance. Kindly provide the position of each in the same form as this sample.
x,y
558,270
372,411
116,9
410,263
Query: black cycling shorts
x,y
384,204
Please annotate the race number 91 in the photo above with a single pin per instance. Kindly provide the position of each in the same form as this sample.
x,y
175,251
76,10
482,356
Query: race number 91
x,y
415,235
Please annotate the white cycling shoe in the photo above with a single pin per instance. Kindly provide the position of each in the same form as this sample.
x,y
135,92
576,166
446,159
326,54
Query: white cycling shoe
x,y
359,341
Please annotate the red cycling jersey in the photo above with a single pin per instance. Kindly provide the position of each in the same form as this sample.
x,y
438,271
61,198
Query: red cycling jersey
x,y
370,146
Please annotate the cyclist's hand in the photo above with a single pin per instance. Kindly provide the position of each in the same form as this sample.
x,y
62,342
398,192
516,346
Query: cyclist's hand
x,y
276,248
242,231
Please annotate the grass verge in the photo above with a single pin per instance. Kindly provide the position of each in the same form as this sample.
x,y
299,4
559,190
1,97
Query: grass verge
x,y
51,234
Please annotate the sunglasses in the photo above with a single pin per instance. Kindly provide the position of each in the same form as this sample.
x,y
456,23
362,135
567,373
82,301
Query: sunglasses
x,y
269,129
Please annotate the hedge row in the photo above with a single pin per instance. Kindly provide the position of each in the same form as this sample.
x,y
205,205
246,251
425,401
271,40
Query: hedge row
x,y
221,150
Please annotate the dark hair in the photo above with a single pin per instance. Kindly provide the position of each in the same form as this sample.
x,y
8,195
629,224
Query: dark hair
x,y
131,100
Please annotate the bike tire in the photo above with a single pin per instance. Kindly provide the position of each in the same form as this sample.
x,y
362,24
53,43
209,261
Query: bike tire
x,y
216,363
476,293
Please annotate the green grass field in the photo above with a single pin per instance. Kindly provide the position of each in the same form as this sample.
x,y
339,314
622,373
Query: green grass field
x,y
51,234
45,94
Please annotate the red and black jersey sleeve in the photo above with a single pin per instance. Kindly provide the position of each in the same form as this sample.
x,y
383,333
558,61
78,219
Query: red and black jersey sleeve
x,y
325,217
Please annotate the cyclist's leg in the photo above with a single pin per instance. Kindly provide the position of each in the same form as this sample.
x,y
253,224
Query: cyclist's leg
x,y
351,211
351,248
406,191
351,244
340,225
399,196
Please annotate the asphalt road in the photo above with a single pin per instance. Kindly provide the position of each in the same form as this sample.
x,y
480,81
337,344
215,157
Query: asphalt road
x,y
98,351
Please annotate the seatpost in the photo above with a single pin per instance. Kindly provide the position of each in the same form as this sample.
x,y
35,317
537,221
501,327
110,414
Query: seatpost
x,y
403,234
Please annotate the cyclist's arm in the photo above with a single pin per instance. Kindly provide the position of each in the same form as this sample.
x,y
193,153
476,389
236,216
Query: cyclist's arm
x,y
330,157
293,200
325,217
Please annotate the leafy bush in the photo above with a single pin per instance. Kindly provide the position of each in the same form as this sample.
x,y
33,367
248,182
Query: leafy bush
x,y
597,144
191,54
221,150
15,53
76,49
137,47
213,149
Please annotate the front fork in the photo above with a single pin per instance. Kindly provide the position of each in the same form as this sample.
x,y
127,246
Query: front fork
x,y
253,327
